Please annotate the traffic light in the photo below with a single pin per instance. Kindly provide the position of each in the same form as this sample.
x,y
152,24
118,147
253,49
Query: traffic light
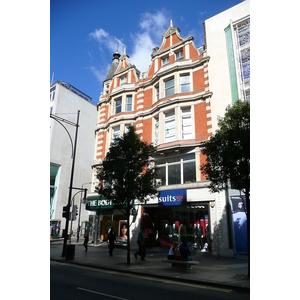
x,y
65,211
75,208
74,212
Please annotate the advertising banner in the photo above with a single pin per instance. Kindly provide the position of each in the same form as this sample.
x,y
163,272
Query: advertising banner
x,y
172,198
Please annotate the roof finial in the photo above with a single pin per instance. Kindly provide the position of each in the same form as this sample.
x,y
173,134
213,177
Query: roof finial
x,y
124,50
171,23
117,46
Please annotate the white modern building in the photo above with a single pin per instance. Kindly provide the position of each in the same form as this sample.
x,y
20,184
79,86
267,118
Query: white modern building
x,y
65,102
227,43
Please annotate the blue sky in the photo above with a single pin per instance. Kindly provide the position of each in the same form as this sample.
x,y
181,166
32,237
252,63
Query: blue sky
x,y
84,34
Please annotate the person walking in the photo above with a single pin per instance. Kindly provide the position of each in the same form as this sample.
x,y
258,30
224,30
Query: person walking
x,y
86,239
112,240
141,243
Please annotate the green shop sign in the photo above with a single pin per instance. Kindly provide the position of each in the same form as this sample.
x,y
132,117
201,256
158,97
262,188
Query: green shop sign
x,y
98,203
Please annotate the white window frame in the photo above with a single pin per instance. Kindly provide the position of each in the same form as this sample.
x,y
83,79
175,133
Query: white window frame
x,y
179,55
156,92
171,87
116,131
165,61
156,131
184,84
170,125
119,106
129,97
123,80
186,123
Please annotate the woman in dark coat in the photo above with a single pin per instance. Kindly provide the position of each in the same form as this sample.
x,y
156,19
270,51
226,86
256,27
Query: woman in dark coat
x,y
112,240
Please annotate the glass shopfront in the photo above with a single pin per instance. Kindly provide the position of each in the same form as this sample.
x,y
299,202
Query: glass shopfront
x,y
164,225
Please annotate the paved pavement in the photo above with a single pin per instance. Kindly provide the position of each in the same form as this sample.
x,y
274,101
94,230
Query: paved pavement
x,y
222,272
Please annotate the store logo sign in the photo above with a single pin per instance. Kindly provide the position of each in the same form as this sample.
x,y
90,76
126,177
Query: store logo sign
x,y
172,198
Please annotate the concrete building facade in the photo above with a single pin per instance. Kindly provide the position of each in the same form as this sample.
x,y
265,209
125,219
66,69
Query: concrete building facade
x,y
65,102
227,42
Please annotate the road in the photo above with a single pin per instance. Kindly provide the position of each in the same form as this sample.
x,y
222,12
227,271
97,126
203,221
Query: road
x,y
76,282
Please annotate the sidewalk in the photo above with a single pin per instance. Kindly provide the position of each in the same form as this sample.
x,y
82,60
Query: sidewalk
x,y
223,272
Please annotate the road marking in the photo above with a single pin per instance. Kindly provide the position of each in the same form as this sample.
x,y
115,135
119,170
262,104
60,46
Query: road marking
x,y
90,291
166,281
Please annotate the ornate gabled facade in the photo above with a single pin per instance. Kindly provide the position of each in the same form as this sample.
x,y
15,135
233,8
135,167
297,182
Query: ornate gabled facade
x,y
175,87
169,105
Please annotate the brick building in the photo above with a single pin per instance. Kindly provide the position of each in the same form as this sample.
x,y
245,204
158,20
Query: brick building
x,y
170,106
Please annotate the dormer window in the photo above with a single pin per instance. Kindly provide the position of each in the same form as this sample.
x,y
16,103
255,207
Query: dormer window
x,y
179,55
123,79
165,60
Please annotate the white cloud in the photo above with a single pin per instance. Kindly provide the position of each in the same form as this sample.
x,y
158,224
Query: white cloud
x,y
105,39
149,35
152,27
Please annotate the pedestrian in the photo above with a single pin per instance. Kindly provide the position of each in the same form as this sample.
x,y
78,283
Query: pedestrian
x,y
86,239
112,240
185,253
173,250
141,243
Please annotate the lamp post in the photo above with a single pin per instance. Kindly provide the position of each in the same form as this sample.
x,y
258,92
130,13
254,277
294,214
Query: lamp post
x,y
73,212
60,120
78,227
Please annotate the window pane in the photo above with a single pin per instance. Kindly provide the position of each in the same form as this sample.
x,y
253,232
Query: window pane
x,y
170,83
165,60
189,156
116,132
186,123
118,106
170,126
161,176
185,83
189,172
174,174
169,87
129,103
179,55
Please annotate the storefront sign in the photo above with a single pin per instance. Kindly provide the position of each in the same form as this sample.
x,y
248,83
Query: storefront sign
x,y
99,203
172,198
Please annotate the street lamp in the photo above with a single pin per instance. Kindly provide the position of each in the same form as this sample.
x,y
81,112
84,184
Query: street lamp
x,y
60,120
84,199
73,212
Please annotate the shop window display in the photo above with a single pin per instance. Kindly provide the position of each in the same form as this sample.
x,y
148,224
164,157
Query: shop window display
x,y
180,224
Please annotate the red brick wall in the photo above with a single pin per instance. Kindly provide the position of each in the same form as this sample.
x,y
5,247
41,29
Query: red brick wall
x,y
175,39
198,80
202,161
201,120
151,70
167,43
147,131
193,51
147,97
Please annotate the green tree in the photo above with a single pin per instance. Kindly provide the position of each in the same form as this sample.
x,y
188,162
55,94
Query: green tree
x,y
228,156
126,174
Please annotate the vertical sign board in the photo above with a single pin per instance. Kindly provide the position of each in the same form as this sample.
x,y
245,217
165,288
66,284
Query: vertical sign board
x,y
172,198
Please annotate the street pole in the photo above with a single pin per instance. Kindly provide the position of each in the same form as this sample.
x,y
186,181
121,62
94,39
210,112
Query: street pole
x,y
78,226
70,190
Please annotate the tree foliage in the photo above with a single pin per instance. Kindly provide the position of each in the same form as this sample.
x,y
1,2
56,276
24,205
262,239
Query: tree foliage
x,y
228,150
126,174
228,156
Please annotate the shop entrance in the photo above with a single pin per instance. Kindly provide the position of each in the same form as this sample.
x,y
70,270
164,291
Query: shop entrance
x,y
189,223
